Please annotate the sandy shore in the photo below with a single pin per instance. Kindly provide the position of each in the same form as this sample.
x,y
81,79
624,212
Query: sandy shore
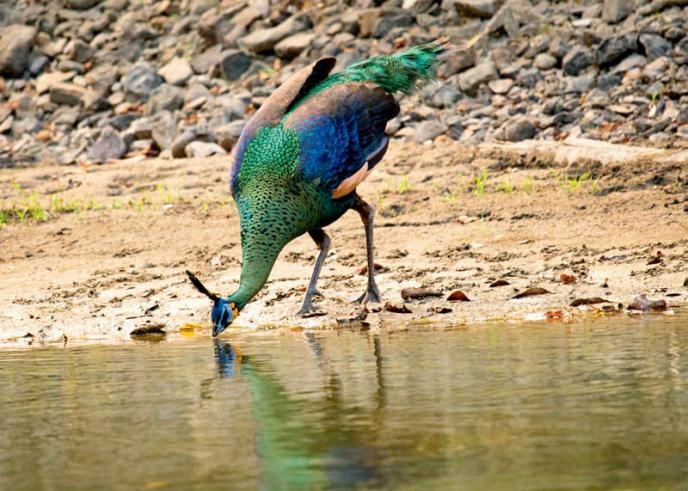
x,y
111,255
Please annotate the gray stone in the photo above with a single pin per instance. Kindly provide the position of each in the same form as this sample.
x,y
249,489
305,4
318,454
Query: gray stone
x,y
629,63
656,68
577,60
390,21
234,63
479,8
141,80
164,130
108,146
456,63
614,11
292,46
79,51
558,48
446,96
655,46
545,61
427,130
165,98
15,45
471,79
516,131
616,48
201,149
82,4
227,135
208,60
177,71
179,144
265,39
66,93
501,86
47,80
38,64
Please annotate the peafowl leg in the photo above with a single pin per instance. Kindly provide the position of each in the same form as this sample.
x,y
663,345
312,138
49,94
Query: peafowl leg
x,y
367,213
323,242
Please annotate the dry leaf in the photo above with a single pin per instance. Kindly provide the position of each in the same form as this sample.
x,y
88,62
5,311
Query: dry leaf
x,y
414,293
458,296
531,292
397,309
658,258
364,269
441,310
567,278
587,301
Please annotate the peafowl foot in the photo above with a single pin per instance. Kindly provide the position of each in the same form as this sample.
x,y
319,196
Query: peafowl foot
x,y
309,310
372,295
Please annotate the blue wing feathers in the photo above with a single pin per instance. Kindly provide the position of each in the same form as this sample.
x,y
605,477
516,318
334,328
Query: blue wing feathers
x,y
340,129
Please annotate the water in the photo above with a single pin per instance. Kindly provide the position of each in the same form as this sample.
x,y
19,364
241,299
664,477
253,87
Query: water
x,y
600,405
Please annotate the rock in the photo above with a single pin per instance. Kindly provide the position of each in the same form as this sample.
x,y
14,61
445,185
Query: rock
x,y
210,58
616,48
108,146
203,149
234,63
427,130
292,46
82,4
265,39
367,20
141,80
15,45
456,63
165,98
388,22
177,71
545,61
614,11
577,60
446,96
656,68
79,51
629,63
655,46
227,135
479,8
516,131
179,144
164,130
501,86
471,79
47,80
66,93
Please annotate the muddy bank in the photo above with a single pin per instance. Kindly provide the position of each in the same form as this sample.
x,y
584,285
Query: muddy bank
x,y
100,251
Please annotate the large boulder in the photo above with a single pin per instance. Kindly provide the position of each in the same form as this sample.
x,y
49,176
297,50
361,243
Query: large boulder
x,y
15,45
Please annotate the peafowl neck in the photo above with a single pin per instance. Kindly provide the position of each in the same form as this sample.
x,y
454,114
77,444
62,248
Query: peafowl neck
x,y
264,233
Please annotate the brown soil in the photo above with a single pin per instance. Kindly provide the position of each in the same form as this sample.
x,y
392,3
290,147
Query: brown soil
x,y
100,274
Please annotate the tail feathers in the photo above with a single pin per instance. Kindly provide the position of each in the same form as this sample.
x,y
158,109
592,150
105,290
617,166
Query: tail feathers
x,y
401,71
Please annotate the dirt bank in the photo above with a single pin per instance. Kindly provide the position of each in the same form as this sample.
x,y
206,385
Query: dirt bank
x,y
94,253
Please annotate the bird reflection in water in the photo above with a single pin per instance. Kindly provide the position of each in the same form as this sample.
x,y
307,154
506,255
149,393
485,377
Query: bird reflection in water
x,y
307,443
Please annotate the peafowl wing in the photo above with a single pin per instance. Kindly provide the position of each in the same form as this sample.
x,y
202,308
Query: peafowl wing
x,y
277,105
341,133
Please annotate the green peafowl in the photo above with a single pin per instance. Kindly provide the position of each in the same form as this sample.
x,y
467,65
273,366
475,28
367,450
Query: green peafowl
x,y
300,158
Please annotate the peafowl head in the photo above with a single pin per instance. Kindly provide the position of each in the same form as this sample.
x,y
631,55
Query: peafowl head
x,y
224,311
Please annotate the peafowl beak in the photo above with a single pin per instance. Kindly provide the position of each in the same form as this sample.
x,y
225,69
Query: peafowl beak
x,y
223,314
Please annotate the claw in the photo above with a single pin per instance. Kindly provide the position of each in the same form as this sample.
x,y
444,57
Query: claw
x,y
372,295
308,310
